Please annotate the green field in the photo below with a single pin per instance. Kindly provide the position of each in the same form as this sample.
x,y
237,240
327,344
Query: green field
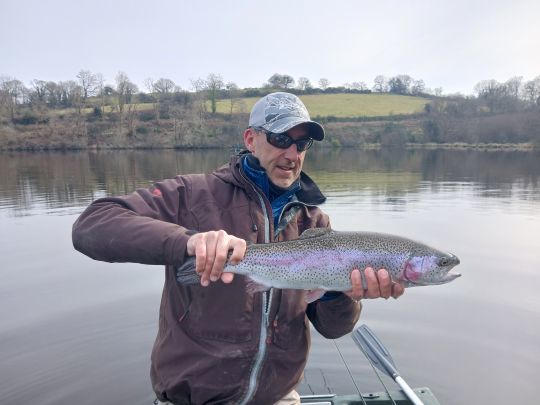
x,y
343,105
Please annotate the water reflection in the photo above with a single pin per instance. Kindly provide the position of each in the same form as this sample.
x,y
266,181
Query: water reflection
x,y
51,182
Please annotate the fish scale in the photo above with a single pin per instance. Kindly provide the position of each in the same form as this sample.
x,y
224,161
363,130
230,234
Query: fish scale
x,y
324,259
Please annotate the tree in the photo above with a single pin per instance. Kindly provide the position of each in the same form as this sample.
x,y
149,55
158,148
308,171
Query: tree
x,y
489,91
531,91
303,83
513,87
279,81
39,92
89,83
213,84
400,84
395,85
163,86
380,84
125,89
234,96
324,83
11,94
406,80
418,87
71,94
359,86
100,89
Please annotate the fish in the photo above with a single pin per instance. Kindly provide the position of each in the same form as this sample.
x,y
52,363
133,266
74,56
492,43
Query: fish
x,y
322,259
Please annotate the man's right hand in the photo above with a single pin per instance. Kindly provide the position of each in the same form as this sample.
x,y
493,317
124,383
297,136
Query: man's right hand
x,y
211,250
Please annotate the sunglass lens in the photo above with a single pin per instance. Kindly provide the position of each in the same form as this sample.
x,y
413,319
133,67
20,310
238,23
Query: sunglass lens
x,y
281,140
303,144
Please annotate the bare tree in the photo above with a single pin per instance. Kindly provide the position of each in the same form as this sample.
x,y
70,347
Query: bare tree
x,y
324,83
163,86
360,86
234,96
11,94
89,83
513,86
380,84
492,93
149,84
71,95
531,91
125,89
213,84
304,83
39,93
418,87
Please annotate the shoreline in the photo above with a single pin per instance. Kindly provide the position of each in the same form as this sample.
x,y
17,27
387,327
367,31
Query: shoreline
x,y
507,147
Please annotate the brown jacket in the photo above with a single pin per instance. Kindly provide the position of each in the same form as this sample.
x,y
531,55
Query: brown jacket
x,y
216,344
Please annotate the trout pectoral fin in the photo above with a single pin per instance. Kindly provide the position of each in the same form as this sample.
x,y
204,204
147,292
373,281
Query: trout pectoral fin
x,y
314,295
253,286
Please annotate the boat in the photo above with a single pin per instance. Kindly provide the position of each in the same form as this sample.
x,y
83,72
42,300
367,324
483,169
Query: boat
x,y
380,358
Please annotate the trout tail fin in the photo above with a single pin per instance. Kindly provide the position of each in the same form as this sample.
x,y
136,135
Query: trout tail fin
x,y
186,274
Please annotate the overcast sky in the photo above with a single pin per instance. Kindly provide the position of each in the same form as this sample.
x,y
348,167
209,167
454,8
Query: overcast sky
x,y
449,44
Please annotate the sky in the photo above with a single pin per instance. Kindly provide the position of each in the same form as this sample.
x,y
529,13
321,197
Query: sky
x,y
451,45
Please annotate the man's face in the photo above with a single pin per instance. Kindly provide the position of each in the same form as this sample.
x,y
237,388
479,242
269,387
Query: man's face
x,y
283,166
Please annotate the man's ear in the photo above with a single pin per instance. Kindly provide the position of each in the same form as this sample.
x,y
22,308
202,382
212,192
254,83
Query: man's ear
x,y
249,136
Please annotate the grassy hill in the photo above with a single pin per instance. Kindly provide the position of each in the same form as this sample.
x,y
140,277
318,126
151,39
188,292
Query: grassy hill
x,y
343,105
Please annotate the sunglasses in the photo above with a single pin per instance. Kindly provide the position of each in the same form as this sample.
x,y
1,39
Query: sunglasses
x,y
283,141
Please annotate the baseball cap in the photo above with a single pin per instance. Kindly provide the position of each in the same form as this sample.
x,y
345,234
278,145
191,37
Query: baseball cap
x,y
278,112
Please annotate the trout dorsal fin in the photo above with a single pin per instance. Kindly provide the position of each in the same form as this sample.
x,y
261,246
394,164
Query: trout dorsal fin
x,y
314,232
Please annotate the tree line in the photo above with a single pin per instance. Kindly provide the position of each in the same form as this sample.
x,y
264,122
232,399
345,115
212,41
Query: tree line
x,y
503,112
88,85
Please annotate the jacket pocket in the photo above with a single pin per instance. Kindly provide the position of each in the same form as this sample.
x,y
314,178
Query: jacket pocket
x,y
222,312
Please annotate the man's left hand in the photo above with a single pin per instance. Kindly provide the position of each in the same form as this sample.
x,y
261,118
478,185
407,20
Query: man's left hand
x,y
379,285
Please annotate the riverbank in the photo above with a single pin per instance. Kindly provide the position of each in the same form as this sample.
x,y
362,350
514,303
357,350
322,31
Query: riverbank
x,y
187,129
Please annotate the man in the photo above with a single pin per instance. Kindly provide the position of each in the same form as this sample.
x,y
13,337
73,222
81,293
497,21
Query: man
x,y
216,342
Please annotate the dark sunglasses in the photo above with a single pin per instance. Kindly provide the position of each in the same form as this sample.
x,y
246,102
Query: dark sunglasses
x,y
283,141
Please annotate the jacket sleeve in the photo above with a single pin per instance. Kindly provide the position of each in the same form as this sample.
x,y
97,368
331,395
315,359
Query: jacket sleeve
x,y
140,227
334,318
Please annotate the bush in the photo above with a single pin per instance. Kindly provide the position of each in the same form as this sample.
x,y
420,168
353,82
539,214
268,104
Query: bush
x,y
95,115
146,116
30,119
142,130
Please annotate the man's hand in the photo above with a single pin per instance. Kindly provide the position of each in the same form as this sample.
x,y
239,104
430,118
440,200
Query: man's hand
x,y
379,285
211,250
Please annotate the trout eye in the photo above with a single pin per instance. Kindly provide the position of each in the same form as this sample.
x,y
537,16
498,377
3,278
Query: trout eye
x,y
444,261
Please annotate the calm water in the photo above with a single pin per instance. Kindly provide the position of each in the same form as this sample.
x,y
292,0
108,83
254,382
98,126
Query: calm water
x,y
78,331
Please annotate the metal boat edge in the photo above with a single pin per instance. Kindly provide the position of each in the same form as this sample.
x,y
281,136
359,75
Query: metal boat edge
x,y
376,398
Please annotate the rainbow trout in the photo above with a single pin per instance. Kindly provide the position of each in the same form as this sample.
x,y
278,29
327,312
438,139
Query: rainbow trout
x,y
323,259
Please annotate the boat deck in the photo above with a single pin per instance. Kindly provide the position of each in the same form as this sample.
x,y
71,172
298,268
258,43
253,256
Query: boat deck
x,y
376,398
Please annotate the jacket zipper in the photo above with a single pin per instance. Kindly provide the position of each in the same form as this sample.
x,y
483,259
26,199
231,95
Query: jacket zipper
x,y
265,308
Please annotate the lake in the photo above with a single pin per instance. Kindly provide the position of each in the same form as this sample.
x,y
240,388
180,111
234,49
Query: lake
x,y
74,330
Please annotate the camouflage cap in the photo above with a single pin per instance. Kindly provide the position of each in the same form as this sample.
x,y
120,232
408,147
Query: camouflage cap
x,y
279,112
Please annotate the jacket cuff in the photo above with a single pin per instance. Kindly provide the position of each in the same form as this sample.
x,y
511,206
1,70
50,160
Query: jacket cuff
x,y
176,247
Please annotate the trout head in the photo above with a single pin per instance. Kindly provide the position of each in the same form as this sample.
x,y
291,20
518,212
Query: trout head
x,y
428,269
